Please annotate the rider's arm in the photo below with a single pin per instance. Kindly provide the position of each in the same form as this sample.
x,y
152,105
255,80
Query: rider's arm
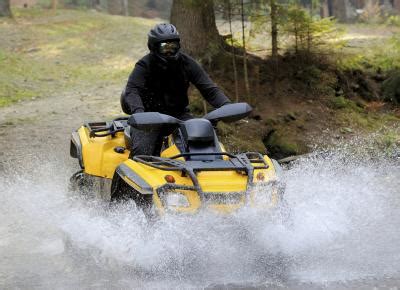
x,y
208,89
135,88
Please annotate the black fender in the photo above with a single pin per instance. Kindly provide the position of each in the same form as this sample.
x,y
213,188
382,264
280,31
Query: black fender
x,y
75,149
124,174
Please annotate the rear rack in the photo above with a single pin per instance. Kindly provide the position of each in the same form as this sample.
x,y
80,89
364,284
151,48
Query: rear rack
x,y
240,163
108,128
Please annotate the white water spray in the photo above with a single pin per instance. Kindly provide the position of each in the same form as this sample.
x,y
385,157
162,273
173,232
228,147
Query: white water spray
x,y
345,215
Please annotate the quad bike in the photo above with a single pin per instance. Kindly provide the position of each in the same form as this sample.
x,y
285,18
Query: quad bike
x,y
193,171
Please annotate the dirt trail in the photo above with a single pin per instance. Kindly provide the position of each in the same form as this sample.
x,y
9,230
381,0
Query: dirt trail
x,y
34,126
64,68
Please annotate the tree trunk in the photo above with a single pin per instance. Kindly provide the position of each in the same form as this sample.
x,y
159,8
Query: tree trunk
x,y
274,29
54,4
235,76
358,4
152,4
94,4
324,9
396,5
5,8
338,9
274,43
195,21
246,76
227,9
125,7
134,8
115,7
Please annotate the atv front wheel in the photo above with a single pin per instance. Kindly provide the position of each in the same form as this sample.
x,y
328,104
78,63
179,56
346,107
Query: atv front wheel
x,y
79,182
121,191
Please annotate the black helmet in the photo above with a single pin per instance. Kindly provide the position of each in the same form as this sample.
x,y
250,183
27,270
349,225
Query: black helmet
x,y
161,33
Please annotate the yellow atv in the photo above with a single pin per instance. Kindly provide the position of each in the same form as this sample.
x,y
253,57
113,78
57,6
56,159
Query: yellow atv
x,y
193,172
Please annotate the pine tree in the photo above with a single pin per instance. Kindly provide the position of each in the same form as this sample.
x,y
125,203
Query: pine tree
x,y
5,8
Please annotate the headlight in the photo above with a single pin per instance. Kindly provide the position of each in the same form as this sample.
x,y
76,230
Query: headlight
x,y
175,199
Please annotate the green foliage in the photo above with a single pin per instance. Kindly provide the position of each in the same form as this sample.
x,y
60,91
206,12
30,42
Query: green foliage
x,y
235,41
351,62
309,34
298,30
389,139
298,27
343,103
310,73
393,20
260,18
383,56
364,120
389,142
386,56
372,13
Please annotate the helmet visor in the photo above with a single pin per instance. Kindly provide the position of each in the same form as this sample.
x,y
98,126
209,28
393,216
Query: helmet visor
x,y
169,48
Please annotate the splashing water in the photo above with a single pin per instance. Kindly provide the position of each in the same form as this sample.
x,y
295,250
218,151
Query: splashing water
x,y
345,221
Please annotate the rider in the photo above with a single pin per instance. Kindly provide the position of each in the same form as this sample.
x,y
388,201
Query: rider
x,y
159,83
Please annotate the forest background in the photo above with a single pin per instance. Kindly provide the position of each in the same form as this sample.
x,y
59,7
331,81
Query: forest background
x,y
316,72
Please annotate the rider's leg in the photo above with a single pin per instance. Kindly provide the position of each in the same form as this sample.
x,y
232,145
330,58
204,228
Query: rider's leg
x,y
145,143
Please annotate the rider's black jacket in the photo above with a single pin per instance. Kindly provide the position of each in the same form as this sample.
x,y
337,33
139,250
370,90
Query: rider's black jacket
x,y
154,86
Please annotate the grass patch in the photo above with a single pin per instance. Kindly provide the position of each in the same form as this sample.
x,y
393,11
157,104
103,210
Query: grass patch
x,y
377,56
341,102
366,121
44,53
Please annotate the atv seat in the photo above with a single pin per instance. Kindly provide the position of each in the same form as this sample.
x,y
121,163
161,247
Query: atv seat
x,y
198,136
193,136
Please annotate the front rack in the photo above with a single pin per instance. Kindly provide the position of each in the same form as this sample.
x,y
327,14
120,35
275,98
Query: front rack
x,y
206,197
240,163
255,157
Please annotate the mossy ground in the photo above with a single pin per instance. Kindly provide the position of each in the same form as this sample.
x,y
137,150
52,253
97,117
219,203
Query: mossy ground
x,y
338,92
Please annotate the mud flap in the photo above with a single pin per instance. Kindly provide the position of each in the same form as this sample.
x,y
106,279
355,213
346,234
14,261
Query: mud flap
x,y
75,149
